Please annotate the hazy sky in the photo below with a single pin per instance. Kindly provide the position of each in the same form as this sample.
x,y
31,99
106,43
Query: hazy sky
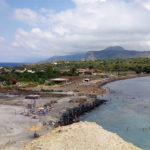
x,y
38,29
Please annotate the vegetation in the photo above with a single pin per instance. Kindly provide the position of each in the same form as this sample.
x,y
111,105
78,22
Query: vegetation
x,y
137,65
46,71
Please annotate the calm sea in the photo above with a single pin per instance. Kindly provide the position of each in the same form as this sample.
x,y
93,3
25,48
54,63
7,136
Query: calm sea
x,y
127,112
10,64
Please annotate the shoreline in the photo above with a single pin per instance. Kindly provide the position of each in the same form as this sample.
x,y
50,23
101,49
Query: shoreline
x,y
101,102
77,110
124,78
66,112
72,115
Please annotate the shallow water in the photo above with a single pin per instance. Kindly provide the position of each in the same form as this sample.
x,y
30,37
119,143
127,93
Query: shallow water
x,y
127,112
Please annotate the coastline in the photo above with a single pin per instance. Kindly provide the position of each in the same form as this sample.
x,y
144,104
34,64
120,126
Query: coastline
x,y
67,117
77,111
67,110
124,78
126,112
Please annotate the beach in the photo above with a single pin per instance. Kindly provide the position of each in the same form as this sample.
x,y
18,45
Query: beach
x,y
67,102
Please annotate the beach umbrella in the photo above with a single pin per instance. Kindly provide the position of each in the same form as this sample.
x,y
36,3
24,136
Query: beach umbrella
x,y
35,128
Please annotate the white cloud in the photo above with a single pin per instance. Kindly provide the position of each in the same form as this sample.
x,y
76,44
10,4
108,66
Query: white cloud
x,y
84,2
147,5
91,25
3,4
2,39
28,16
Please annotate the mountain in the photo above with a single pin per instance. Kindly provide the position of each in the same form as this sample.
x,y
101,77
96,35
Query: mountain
x,y
67,57
108,53
115,52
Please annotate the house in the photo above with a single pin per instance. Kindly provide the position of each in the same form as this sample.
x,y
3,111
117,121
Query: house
x,y
7,69
18,83
20,71
60,80
42,71
30,71
54,63
13,80
64,70
83,71
86,80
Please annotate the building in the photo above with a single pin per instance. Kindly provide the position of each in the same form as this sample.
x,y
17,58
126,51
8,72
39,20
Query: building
x,y
7,70
13,80
60,80
55,63
86,80
30,71
20,71
32,97
64,70
83,71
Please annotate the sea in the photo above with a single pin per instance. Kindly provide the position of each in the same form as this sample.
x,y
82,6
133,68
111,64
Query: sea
x,y
2,64
127,111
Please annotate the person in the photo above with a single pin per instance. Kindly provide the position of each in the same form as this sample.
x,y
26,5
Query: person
x,y
36,135
76,119
44,111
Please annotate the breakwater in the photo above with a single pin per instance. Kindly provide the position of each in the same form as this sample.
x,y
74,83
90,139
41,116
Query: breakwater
x,y
71,115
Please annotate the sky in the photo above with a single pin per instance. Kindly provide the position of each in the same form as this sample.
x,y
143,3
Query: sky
x,y
33,30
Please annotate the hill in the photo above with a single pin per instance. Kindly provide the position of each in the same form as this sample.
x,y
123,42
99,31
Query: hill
x,y
108,53
115,52
80,136
73,57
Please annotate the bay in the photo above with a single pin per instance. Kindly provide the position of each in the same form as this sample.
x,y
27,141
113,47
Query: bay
x,y
127,111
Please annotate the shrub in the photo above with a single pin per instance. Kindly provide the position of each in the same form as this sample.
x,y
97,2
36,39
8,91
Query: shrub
x,y
51,83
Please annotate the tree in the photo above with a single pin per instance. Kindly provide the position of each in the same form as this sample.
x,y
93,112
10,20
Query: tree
x,y
73,70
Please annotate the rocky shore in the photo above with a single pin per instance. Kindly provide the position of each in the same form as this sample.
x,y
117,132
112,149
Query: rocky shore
x,y
72,115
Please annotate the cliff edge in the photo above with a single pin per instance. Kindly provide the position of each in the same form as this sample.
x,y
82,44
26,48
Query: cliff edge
x,y
80,136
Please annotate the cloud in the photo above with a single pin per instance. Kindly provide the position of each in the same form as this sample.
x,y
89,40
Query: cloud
x,y
3,4
146,4
2,39
91,25
84,2
28,16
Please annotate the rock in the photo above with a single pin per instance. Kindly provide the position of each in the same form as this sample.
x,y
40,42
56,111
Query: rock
x,y
80,136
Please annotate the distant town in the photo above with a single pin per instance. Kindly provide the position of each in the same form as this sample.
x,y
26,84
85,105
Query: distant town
x,y
50,73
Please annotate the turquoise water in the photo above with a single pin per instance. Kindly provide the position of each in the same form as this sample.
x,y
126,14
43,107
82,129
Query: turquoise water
x,y
127,112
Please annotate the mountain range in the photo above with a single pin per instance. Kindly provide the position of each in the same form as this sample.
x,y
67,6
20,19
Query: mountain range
x,y
73,57
108,53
